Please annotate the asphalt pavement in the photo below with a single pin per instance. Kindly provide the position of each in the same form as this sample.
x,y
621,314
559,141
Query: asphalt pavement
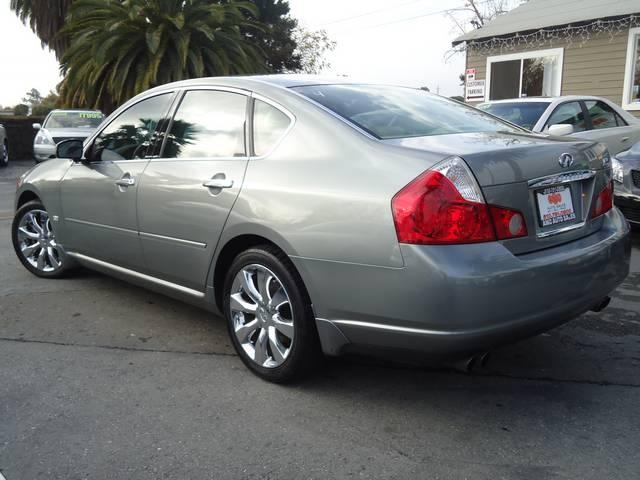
x,y
103,380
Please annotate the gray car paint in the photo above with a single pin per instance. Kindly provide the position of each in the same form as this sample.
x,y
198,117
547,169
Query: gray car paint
x,y
323,196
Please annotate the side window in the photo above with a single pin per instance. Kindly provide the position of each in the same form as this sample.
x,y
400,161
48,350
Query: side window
x,y
131,134
569,113
208,124
602,115
269,124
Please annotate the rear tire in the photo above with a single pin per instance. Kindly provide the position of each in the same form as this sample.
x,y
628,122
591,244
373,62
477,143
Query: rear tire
x,y
269,316
35,244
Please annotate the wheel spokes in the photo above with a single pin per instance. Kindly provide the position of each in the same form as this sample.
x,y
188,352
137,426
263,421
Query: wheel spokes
x,y
249,287
261,354
284,327
278,351
244,332
23,232
239,304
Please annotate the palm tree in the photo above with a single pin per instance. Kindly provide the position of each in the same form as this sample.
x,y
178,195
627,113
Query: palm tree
x,y
45,19
119,48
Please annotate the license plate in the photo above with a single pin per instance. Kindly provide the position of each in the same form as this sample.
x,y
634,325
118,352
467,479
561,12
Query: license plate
x,y
555,205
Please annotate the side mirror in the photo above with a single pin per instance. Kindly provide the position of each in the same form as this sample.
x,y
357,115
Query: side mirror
x,y
560,129
37,126
70,149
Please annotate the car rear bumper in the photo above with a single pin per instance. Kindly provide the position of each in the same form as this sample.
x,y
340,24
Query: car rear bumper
x,y
456,300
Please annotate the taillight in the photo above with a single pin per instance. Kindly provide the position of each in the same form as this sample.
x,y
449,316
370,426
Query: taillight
x,y
444,205
604,201
508,223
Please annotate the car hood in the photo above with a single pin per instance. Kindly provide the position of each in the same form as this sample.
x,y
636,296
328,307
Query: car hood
x,y
69,132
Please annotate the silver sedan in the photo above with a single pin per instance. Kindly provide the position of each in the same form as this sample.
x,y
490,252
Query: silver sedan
x,y
331,217
583,117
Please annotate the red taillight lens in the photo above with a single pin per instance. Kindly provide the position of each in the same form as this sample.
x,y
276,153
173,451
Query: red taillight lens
x,y
431,211
604,201
508,223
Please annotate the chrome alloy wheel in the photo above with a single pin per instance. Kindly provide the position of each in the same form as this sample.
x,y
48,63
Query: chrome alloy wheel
x,y
37,241
262,317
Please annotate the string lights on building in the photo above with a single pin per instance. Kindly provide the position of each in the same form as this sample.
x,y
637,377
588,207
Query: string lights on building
x,y
568,35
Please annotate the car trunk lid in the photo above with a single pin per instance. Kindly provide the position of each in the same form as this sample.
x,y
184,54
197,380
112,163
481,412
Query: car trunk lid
x,y
554,183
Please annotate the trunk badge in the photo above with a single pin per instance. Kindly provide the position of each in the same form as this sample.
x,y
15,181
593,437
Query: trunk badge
x,y
565,160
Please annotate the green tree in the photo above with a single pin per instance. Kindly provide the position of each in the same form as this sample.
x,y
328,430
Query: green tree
x,y
32,98
47,104
119,48
21,110
312,46
45,19
277,37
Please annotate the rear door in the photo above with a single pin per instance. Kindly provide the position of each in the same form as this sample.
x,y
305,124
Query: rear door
x,y
187,192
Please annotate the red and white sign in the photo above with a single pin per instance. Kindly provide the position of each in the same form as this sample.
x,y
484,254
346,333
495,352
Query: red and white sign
x,y
555,205
470,74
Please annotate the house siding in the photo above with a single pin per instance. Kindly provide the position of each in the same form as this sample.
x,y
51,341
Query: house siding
x,y
593,68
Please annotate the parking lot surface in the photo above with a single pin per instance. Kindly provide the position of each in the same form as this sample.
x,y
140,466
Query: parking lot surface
x,y
101,379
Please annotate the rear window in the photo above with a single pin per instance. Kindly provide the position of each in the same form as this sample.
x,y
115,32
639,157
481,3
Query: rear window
x,y
524,114
74,120
398,112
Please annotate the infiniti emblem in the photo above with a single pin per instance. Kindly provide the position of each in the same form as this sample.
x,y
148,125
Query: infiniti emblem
x,y
565,160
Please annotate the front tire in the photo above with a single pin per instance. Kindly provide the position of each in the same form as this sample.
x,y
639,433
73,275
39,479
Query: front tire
x,y
4,154
269,316
34,241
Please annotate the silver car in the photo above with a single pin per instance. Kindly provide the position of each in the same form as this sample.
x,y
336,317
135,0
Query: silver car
x,y
4,147
583,117
62,125
325,217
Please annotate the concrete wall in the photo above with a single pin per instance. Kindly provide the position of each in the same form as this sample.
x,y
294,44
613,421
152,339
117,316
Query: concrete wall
x,y
595,68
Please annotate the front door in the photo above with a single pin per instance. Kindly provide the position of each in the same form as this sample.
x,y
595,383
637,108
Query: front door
x,y
187,193
99,197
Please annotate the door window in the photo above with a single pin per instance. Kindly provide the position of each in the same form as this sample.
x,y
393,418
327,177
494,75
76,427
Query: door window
x,y
208,124
269,124
130,136
602,115
569,113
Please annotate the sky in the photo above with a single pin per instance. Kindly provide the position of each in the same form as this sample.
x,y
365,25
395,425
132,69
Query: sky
x,y
401,42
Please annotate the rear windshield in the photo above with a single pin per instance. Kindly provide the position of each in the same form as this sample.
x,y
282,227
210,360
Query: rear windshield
x,y
525,114
398,112
73,120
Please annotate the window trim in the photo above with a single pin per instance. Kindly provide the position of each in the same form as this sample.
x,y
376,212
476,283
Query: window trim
x,y
634,33
277,106
557,87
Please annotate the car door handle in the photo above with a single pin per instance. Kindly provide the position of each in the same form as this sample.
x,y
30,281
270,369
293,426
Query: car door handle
x,y
624,139
126,182
218,183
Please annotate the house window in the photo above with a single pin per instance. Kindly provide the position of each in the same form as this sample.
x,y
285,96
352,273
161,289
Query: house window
x,y
631,94
527,74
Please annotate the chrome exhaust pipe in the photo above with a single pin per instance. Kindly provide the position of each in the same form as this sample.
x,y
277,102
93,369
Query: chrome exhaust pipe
x,y
602,305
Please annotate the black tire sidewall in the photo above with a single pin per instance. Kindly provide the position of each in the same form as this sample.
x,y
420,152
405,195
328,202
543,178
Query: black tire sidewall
x,y
21,212
305,351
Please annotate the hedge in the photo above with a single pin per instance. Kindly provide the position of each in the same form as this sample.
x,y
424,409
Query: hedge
x,y
20,134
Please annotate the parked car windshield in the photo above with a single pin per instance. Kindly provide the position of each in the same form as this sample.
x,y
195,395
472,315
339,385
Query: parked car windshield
x,y
399,112
524,114
73,120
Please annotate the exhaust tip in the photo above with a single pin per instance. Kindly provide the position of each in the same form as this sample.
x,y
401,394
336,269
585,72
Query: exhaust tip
x,y
601,305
